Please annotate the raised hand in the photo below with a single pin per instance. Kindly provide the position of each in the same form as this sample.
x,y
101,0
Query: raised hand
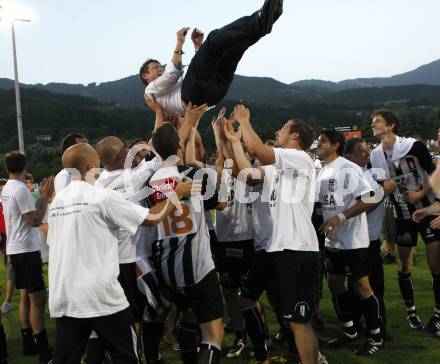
x,y
181,36
241,114
151,102
195,113
47,188
230,133
197,37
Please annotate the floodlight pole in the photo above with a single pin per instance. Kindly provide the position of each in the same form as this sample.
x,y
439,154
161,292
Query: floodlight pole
x,y
17,92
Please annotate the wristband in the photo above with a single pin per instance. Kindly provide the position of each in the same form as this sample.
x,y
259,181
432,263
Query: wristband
x,y
342,217
180,52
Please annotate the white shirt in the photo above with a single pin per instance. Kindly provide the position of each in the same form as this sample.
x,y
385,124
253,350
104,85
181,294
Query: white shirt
x,y
261,216
17,200
375,217
167,89
128,182
234,222
339,185
61,180
291,186
83,258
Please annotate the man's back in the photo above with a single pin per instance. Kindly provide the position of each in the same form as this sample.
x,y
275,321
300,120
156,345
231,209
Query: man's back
x,y
83,269
17,201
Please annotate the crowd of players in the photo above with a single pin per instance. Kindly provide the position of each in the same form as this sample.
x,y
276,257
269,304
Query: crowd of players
x,y
141,233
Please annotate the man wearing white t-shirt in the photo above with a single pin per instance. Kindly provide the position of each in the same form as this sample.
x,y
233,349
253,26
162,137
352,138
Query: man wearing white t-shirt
x,y
63,178
22,218
84,292
342,191
356,151
212,69
293,253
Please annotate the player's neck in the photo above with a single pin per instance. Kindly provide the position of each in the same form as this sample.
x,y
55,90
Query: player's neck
x,y
330,159
18,176
388,140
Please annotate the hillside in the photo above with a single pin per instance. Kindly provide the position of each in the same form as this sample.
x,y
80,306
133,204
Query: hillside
x,y
128,91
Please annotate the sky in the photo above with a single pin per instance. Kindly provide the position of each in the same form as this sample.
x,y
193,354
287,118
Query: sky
x,y
84,41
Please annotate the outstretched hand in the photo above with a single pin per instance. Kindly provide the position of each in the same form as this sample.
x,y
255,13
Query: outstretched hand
x,y
241,114
152,103
181,35
197,37
195,113
230,133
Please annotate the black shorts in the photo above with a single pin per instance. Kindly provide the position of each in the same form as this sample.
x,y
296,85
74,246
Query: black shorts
x,y
117,331
127,279
407,232
204,298
258,278
28,271
233,261
354,263
293,279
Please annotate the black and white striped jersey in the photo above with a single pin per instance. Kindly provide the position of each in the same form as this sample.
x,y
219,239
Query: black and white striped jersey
x,y
411,173
181,254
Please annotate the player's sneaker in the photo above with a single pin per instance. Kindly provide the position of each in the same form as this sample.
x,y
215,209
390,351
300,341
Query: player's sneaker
x,y
343,338
6,307
414,321
322,359
433,326
236,348
369,348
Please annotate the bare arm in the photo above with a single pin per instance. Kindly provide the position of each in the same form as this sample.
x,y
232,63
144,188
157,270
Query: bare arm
x,y
240,158
177,56
264,153
190,150
35,218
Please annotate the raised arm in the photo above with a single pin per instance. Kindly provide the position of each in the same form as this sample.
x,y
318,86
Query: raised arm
x,y
35,218
253,176
264,153
190,150
177,55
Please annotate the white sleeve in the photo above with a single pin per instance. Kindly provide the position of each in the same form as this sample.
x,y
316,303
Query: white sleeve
x,y
122,213
143,172
25,201
292,159
363,186
165,83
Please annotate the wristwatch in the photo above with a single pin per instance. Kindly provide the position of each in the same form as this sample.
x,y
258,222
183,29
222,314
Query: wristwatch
x,y
179,52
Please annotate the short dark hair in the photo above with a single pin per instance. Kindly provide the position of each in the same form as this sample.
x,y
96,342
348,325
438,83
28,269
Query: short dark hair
x,y
166,140
3,181
15,162
145,69
335,137
351,144
70,140
305,132
389,117
29,177
136,141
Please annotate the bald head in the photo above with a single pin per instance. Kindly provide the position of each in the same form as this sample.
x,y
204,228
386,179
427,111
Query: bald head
x,y
82,157
112,153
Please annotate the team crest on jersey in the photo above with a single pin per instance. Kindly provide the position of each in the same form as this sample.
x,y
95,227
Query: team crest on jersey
x,y
332,185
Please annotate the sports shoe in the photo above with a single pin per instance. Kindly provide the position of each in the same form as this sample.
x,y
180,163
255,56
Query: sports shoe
x,y
172,342
415,322
433,326
269,14
6,307
236,348
369,348
341,339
